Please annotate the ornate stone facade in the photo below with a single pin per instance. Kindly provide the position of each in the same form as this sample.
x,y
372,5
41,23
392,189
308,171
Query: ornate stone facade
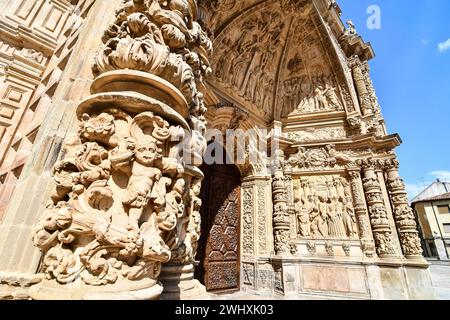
x,y
129,94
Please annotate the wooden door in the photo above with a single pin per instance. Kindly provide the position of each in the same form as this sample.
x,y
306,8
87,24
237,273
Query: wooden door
x,y
218,253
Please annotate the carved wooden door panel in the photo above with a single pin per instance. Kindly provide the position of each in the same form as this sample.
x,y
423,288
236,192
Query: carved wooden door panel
x,y
219,245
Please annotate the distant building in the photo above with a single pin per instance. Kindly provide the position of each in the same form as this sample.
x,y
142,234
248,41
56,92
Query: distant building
x,y
432,208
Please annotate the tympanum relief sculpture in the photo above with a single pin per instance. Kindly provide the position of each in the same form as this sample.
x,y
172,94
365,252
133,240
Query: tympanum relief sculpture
x,y
274,56
307,79
318,158
322,99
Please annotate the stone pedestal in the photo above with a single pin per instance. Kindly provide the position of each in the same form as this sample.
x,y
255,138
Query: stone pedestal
x,y
179,283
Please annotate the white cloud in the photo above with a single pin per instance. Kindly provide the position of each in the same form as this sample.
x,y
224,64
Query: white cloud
x,y
425,42
444,46
413,190
441,174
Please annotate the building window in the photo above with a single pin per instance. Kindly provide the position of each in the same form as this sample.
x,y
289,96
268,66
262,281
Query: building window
x,y
447,227
444,209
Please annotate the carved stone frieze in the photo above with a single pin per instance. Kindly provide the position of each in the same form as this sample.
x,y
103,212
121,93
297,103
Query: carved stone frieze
x,y
319,158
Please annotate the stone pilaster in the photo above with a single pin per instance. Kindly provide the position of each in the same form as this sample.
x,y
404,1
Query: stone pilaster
x,y
281,216
362,216
403,214
20,260
377,211
360,84
123,215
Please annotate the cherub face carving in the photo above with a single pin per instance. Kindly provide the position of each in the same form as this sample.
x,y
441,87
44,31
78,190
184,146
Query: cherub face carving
x,y
147,154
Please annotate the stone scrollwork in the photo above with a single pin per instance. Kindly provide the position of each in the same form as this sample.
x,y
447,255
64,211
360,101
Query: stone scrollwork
x,y
162,38
377,211
125,202
319,158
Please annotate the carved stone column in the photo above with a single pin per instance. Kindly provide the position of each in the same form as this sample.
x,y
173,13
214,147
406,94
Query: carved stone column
x,y
287,171
403,214
281,216
370,88
360,83
20,260
125,200
377,211
362,216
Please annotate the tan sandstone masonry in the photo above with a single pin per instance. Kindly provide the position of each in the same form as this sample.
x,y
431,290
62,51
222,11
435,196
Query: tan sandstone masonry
x,y
36,39
122,215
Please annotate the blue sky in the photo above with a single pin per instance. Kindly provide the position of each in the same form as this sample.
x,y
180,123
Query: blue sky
x,y
411,74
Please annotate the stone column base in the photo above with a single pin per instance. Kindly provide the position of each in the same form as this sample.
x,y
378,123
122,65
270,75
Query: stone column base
x,y
146,289
16,286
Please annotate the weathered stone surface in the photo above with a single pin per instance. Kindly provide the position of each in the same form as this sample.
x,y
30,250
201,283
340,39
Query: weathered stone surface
x,y
115,207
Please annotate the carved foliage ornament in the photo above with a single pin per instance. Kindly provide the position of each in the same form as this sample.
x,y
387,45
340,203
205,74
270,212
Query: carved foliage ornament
x,y
162,38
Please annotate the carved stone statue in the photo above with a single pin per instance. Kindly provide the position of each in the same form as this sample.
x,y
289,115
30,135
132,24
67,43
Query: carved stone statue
x,y
335,223
351,30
